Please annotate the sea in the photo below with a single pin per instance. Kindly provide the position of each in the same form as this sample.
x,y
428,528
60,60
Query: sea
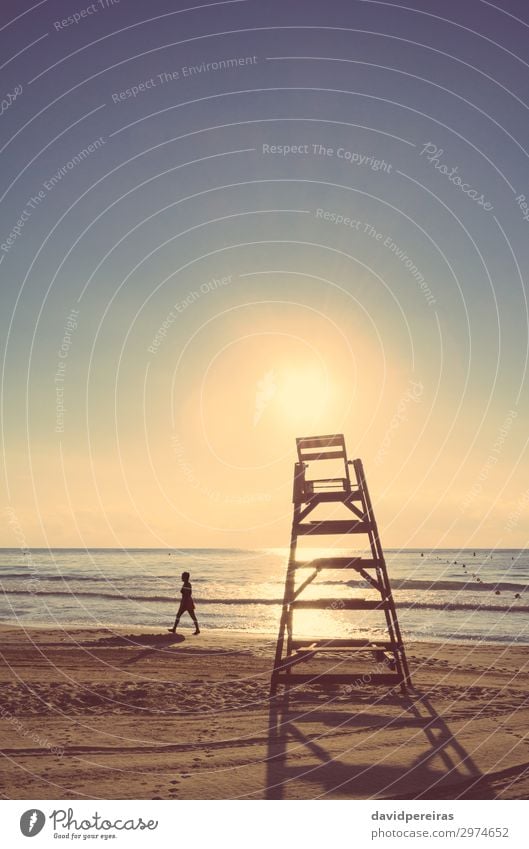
x,y
459,595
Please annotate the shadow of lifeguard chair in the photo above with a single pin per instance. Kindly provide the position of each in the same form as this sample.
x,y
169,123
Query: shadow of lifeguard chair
x,y
352,492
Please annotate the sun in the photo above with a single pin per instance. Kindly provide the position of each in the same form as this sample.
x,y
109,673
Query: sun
x,y
303,394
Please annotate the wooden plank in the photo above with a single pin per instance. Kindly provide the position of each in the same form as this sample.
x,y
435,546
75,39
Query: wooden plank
x,y
320,455
321,495
356,511
335,495
305,583
333,645
338,563
310,505
339,604
308,653
333,527
326,481
360,679
328,441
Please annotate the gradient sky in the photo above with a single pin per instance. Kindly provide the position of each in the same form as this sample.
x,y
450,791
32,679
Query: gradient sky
x,y
216,309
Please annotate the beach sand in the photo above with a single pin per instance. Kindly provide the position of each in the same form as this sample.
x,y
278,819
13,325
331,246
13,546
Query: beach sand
x,y
135,713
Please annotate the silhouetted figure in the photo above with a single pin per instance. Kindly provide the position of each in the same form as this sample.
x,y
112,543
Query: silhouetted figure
x,y
187,603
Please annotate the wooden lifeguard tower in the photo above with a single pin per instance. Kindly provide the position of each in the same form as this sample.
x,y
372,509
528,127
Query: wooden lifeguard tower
x,y
309,494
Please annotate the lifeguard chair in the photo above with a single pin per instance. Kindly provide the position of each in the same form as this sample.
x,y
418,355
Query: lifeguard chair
x,y
308,493
310,449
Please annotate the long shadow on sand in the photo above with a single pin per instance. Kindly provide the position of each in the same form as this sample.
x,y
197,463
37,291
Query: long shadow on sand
x,y
129,640
159,640
152,644
442,769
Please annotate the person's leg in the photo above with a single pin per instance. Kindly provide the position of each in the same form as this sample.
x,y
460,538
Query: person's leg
x,y
177,620
195,620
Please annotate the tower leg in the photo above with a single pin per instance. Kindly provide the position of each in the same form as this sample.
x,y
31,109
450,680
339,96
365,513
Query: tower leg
x,y
285,623
377,553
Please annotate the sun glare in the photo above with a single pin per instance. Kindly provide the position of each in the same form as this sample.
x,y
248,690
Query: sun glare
x,y
303,395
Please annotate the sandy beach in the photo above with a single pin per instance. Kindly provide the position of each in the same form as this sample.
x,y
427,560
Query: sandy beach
x,y
142,714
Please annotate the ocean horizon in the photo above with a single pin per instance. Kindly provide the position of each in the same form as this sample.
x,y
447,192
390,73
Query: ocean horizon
x,y
454,595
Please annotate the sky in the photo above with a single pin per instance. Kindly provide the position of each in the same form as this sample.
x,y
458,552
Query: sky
x,y
226,225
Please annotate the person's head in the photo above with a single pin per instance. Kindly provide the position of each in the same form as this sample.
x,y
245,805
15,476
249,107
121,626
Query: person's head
x,y
185,576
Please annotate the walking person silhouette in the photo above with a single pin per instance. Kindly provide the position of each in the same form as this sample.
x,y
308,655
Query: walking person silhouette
x,y
187,603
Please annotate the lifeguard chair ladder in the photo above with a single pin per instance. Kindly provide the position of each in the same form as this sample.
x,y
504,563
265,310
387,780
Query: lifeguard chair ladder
x,y
354,494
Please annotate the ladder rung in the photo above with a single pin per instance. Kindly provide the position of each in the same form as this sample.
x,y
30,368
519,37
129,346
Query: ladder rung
x,y
329,441
337,527
359,677
339,604
309,652
343,495
335,645
338,563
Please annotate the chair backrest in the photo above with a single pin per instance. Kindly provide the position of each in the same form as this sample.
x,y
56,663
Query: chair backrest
x,y
331,479
331,447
